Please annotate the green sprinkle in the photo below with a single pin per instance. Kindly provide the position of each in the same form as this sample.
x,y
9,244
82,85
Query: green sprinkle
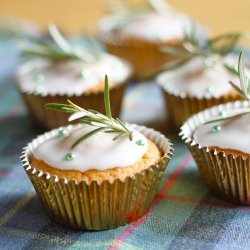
x,y
69,157
216,128
84,74
39,89
222,113
210,89
170,84
209,62
140,143
119,65
39,78
62,132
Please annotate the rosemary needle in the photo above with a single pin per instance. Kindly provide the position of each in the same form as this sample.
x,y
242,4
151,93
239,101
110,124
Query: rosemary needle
x,y
100,122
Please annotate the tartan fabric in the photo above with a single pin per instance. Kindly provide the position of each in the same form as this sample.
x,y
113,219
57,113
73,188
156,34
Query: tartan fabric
x,y
184,214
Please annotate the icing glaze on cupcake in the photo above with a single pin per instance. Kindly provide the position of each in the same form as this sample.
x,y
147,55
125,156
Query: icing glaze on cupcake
x,y
151,26
195,79
99,151
229,135
75,77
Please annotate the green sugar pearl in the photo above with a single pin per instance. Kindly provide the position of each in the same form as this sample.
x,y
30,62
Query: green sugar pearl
x,y
140,143
39,78
216,128
210,89
209,62
62,132
39,89
222,113
84,74
69,157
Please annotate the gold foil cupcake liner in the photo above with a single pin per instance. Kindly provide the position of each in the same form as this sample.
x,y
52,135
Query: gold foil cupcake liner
x,y
50,119
98,206
227,175
145,56
179,108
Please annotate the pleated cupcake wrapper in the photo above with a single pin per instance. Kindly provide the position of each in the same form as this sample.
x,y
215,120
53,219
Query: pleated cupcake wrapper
x,y
227,175
51,119
98,206
179,108
145,57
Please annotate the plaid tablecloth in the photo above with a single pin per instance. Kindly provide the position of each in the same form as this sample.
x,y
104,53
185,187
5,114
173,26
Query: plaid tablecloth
x,y
184,214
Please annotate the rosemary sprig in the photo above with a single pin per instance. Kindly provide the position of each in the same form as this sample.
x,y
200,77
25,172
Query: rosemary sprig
x,y
228,118
17,29
243,90
105,123
131,7
57,50
159,6
211,49
124,11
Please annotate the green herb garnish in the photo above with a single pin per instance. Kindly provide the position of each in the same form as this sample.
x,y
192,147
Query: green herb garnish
x,y
16,29
210,49
126,8
102,123
243,90
58,49
124,11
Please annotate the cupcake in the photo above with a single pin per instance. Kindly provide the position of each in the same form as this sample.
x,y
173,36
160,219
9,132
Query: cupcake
x,y
57,71
99,174
199,78
137,33
194,87
217,139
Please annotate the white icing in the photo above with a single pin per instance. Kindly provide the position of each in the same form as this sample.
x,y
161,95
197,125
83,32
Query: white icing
x,y
152,26
64,77
194,79
233,135
97,152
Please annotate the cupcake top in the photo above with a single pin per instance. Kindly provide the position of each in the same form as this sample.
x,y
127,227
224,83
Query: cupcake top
x,y
195,79
100,148
203,66
147,23
59,68
228,129
43,76
226,135
98,152
175,24
101,142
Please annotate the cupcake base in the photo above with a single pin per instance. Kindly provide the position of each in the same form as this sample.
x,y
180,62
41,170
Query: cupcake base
x,y
98,206
145,56
226,174
179,109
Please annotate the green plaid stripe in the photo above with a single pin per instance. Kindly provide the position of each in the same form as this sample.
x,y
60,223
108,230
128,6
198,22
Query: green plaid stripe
x,y
184,215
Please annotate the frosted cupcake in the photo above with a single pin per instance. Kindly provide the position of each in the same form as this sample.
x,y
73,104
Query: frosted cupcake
x,y
57,71
200,78
217,139
97,175
136,33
